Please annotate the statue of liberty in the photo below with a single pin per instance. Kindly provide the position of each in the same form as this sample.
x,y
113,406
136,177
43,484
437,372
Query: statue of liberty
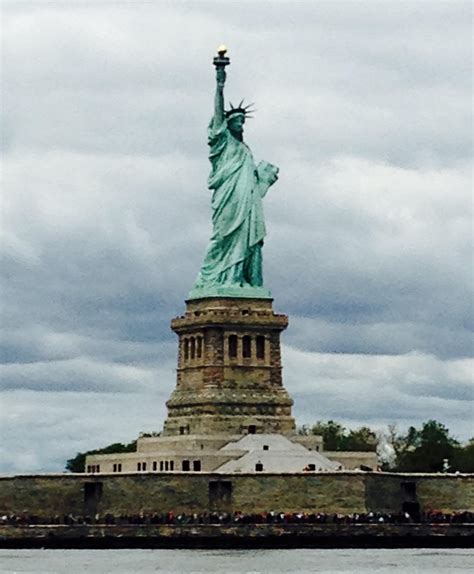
x,y
233,262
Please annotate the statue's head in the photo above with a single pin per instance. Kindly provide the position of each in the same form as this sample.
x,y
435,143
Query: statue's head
x,y
236,122
236,117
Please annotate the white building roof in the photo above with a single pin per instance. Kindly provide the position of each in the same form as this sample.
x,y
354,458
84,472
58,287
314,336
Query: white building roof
x,y
274,442
280,455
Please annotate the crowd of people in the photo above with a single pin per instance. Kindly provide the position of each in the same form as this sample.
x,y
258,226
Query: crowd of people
x,y
271,517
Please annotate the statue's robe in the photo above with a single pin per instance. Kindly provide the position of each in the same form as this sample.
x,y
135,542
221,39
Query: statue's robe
x,y
233,257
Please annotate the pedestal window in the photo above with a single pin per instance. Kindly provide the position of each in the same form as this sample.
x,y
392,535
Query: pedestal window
x,y
233,346
246,347
260,345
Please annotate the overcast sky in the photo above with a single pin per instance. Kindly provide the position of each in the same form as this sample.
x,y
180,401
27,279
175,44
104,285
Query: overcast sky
x,y
366,109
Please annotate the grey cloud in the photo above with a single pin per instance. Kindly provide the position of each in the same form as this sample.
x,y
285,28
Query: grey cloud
x,y
374,248
399,92
371,337
80,374
40,343
377,389
40,431
402,412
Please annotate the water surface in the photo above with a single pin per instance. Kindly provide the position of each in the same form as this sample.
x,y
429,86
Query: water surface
x,y
329,561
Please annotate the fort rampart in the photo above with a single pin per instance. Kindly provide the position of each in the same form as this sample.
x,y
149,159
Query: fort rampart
x,y
338,492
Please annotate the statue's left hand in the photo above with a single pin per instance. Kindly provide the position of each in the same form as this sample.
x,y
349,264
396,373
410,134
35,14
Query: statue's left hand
x,y
267,176
268,172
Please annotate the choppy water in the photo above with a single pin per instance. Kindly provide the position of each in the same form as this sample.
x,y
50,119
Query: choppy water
x,y
302,561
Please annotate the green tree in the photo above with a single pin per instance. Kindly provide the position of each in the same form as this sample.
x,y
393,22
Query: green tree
x,y
463,457
77,464
423,450
337,438
361,439
333,434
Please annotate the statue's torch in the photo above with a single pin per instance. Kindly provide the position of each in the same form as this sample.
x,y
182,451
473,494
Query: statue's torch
x,y
221,60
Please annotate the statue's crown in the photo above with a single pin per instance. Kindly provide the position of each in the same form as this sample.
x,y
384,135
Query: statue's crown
x,y
240,109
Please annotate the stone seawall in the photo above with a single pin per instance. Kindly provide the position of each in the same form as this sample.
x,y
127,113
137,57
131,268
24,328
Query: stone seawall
x,y
243,536
339,492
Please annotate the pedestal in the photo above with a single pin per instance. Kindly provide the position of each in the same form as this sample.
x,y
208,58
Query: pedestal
x,y
229,376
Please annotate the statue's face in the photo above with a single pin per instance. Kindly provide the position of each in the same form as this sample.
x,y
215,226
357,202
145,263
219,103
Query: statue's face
x,y
236,123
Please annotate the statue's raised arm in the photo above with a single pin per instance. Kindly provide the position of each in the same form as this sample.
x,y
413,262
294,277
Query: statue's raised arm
x,y
233,263
220,63
219,113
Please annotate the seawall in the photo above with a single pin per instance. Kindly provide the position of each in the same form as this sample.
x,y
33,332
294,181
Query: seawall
x,y
339,492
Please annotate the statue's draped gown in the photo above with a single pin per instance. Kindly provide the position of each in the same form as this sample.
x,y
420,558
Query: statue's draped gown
x,y
233,257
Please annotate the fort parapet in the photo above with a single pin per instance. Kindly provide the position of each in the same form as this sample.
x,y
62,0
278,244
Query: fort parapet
x,y
132,493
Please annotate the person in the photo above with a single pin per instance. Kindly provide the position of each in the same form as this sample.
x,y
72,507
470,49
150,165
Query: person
x,y
234,256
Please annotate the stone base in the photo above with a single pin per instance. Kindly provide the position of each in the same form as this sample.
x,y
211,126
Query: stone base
x,y
229,377
237,425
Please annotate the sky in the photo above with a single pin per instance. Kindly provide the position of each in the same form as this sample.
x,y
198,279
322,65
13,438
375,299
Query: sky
x,y
365,107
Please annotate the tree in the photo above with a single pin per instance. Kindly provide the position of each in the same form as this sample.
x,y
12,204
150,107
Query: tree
x,y
361,439
332,433
337,438
423,450
77,464
303,430
463,457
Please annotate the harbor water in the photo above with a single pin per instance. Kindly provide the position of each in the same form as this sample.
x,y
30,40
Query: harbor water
x,y
328,561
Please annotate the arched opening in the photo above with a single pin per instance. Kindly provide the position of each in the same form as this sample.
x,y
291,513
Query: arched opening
x,y
193,347
186,349
260,347
199,347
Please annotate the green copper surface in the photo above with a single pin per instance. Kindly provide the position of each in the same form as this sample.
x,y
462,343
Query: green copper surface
x,y
232,265
245,292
